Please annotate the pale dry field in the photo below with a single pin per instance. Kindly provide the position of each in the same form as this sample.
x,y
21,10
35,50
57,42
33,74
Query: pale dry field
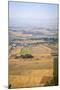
x,y
31,72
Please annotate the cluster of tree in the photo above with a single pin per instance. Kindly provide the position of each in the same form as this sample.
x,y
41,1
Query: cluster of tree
x,y
26,56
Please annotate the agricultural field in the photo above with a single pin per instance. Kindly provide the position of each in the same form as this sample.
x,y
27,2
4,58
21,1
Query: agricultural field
x,y
25,50
28,72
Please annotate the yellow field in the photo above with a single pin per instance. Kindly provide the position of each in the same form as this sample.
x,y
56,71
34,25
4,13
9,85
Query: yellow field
x,y
34,78
31,72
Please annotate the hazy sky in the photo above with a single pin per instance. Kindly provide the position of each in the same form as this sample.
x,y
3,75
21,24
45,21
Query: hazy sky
x,y
33,14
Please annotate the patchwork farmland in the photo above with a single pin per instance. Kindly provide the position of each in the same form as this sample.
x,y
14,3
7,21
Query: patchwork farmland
x,y
35,71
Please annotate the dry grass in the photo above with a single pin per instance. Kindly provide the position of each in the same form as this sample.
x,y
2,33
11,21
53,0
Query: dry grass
x,y
29,79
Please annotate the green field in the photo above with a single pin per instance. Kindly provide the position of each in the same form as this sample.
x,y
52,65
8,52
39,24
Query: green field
x,y
26,50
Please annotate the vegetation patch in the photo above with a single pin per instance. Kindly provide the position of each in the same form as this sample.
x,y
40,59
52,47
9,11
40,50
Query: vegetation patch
x,y
54,80
26,56
26,52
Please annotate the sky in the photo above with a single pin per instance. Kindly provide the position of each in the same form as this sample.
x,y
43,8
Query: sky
x,y
23,14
